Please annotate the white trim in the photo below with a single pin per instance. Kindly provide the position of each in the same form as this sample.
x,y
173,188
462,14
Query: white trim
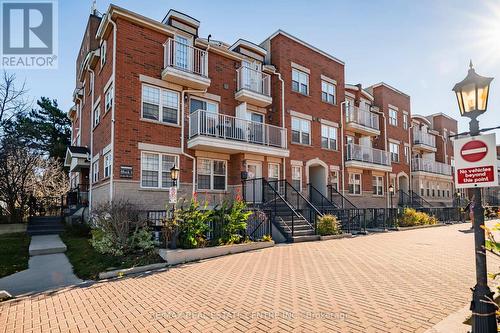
x,y
281,32
334,168
159,148
383,84
329,123
110,82
160,170
329,80
405,112
206,96
97,101
212,174
350,94
95,157
106,149
296,163
393,107
314,162
160,104
182,17
301,68
159,83
247,44
394,141
301,115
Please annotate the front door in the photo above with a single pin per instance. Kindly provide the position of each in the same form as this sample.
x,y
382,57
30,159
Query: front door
x,y
253,190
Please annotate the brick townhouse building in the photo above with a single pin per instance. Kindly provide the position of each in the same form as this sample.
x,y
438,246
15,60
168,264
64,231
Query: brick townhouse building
x,y
150,95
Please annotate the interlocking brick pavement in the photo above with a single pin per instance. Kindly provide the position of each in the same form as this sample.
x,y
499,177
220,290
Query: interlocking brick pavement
x,y
392,282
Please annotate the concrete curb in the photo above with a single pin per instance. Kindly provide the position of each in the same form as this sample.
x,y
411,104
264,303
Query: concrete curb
x,y
453,323
180,256
422,226
12,228
335,237
132,270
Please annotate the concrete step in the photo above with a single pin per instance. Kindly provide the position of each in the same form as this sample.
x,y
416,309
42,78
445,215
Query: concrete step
x,y
46,244
304,238
56,227
44,232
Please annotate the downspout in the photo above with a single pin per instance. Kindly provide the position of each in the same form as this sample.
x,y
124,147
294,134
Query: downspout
x,y
113,112
183,120
342,148
387,174
410,185
282,113
91,178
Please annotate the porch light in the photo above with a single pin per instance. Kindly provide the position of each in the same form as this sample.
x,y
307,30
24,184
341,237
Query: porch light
x,y
174,174
391,188
472,94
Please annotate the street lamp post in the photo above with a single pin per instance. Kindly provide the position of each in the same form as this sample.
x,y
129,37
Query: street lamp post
x,y
174,175
391,193
472,96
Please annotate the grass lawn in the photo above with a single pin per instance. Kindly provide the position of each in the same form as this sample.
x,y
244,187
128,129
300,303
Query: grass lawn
x,y
88,263
14,253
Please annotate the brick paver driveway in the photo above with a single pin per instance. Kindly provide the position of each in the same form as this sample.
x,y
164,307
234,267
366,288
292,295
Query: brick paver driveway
x,y
392,282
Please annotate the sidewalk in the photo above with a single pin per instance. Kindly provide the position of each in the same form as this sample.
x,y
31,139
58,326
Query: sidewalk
x,y
46,271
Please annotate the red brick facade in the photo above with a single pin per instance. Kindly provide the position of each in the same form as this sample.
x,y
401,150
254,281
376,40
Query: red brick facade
x,y
140,62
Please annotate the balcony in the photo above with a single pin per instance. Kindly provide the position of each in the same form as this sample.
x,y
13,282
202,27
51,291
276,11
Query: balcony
x,y
362,157
253,87
362,121
222,133
185,65
429,166
424,141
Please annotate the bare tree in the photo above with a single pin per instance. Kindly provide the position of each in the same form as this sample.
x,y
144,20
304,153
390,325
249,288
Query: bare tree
x,y
13,100
25,174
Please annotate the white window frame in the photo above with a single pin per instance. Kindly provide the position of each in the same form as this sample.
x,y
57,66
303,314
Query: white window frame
x,y
91,82
378,185
329,130
212,175
103,53
394,153
393,117
160,169
329,89
407,154
108,161
334,179
161,104
271,166
352,181
108,99
294,174
303,79
95,171
405,121
97,114
301,130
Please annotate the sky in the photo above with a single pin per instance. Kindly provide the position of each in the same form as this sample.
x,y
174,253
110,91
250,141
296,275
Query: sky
x,y
420,47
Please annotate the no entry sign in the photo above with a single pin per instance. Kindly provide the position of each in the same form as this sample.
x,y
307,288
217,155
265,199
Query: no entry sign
x,y
476,162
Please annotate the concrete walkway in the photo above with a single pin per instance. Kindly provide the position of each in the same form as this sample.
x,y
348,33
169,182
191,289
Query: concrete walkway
x,y
49,268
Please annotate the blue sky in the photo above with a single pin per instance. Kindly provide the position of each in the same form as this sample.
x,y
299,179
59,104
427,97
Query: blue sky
x,y
420,47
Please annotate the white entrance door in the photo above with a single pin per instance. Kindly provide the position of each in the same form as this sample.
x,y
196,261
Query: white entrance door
x,y
253,190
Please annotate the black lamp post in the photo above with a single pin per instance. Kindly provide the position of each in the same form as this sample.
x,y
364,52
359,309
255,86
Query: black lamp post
x,y
391,193
472,96
174,175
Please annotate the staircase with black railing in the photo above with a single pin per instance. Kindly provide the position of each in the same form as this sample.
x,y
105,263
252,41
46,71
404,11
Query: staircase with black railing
x,y
292,214
412,199
338,199
318,199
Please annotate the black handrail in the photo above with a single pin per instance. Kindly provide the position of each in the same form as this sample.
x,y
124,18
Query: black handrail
x,y
323,201
344,202
421,200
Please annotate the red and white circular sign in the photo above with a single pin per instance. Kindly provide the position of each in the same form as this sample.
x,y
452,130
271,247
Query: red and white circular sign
x,y
474,151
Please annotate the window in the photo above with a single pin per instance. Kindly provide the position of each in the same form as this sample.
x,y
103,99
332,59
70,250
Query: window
x,y
181,52
297,177
211,174
328,92
354,183
97,115
107,165
300,81
394,149
108,99
160,104
328,137
334,179
393,117
378,185
198,104
407,154
405,121
103,53
273,173
301,131
155,169
95,171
